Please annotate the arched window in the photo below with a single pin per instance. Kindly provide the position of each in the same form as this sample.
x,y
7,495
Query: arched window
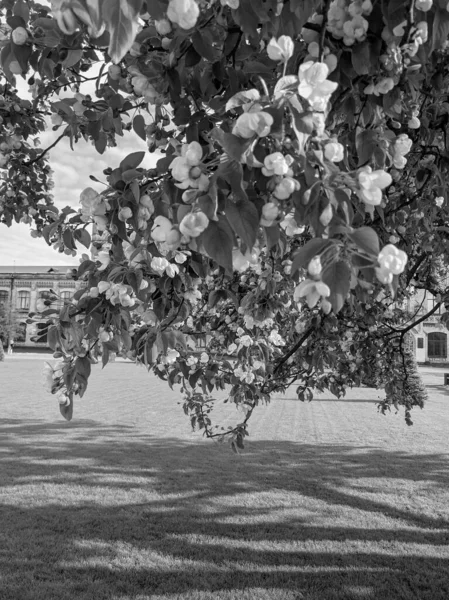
x,y
437,345
3,296
23,300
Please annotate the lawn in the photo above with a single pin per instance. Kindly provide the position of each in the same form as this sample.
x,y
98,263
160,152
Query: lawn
x,y
330,500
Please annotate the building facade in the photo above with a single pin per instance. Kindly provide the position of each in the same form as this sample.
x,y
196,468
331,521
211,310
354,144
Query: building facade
x,y
430,337
20,290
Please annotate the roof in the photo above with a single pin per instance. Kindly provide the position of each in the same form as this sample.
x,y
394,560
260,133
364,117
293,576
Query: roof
x,y
35,269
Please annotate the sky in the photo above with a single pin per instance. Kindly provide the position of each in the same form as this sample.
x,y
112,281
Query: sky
x,y
71,176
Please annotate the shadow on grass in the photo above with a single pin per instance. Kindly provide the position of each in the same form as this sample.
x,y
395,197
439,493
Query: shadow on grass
x,y
91,511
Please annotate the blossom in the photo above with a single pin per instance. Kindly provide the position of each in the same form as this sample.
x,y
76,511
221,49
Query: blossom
x,y
239,261
162,26
334,151
193,224
204,358
414,123
314,85
104,258
371,184
125,213
276,339
171,356
355,30
312,291
92,203
276,164
392,262
281,49
186,170
19,36
253,123
159,264
183,12
326,215
290,226
315,267
270,211
160,228
381,87
439,201
402,146
424,5
234,4
285,188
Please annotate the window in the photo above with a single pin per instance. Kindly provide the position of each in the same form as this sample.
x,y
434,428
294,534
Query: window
x,y
66,295
432,303
437,345
420,342
23,300
3,296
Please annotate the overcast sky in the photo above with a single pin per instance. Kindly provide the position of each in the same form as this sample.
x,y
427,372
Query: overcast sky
x,y
71,176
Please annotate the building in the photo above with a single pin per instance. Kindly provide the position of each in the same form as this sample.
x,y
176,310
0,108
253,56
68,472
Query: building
x,y
430,337
22,287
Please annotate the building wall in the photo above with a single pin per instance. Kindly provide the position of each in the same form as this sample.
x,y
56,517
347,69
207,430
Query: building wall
x,y
431,337
33,283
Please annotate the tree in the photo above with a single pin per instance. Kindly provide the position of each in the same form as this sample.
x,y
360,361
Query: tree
x,y
10,326
297,202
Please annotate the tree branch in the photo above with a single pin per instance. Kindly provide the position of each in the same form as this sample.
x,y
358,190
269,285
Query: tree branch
x,y
42,154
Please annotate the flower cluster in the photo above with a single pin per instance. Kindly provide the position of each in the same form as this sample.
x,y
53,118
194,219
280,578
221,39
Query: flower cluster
x,y
314,85
346,20
371,183
392,262
401,147
116,293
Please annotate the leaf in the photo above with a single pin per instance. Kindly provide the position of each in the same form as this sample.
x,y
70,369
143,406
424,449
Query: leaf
x,y
338,277
83,236
218,242
285,83
307,252
366,239
132,161
21,9
139,127
66,410
366,144
203,47
440,28
242,98
122,23
231,144
73,56
394,12
244,220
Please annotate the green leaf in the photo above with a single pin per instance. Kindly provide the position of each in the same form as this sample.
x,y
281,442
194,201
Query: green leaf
x,y
204,46
132,161
83,236
21,9
218,242
139,127
122,23
440,28
365,56
338,277
67,410
366,239
231,144
307,252
244,220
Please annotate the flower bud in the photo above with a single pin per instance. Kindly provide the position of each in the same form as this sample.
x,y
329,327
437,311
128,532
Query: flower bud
x,y
19,36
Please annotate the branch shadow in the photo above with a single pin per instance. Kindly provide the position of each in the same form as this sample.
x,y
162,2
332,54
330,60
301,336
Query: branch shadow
x,y
93,511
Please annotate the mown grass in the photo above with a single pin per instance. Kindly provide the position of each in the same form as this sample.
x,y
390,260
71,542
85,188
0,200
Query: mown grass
x,y
330,501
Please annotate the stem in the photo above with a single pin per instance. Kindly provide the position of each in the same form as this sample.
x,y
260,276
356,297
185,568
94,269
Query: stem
x,y
42,154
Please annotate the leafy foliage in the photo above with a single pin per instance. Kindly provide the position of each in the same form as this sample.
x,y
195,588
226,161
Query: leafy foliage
x,y
297,201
